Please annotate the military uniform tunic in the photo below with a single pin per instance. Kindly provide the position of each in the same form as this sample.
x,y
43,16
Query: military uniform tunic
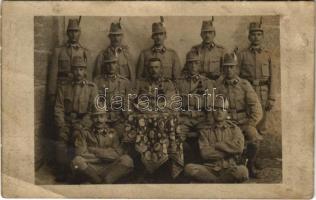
x,y
194,116
245,108
124,61
211,59
219,145
74,102
255,65
112,86
99,150
60,69
171,66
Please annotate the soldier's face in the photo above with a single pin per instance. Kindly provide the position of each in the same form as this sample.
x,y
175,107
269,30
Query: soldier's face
x,y
111,67
208,36
194,67
116,39
99,120
73,35
155,69
230,71
220,114
159,38
79,73
256,37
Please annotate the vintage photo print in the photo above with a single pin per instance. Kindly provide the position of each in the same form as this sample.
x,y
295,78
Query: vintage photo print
x,y
161,81
199,102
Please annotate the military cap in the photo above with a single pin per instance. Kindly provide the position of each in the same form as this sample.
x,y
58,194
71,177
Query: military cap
x,y
192,56
110,57
73,24
158,27
208,25
255,26
221,102
116,28
78,61
230,59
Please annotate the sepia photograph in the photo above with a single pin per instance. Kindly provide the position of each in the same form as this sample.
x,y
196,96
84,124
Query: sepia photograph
x,y
157,99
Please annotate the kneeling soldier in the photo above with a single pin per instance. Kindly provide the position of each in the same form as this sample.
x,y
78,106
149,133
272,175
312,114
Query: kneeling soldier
x,y
219,146
99,156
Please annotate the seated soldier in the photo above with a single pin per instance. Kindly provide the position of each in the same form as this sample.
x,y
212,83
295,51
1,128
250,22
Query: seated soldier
x,y
99,157
219,146
191,86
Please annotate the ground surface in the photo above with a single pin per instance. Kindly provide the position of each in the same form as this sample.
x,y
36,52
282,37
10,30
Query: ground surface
x,y
270,159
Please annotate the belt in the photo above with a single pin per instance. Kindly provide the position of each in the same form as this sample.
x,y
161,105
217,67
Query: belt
x,y
259,82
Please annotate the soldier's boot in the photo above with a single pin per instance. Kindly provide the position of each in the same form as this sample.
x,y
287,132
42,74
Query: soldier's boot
x,y
122,168
62,161
252,150
92,175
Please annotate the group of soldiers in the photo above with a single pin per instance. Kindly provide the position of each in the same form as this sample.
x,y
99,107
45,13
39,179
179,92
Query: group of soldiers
x,y
89,143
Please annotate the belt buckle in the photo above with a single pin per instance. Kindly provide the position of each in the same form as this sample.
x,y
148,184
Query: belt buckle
x,y
256,82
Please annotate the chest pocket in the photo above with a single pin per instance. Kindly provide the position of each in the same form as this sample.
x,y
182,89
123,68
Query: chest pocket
x,y
265,70
247,70
214,65
64,62
68,104
123,66
167,68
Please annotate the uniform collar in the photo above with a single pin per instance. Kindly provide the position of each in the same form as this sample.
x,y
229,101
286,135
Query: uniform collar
x,y
118,49
102,130
159,80
158,49
75,45
195,77
256,49
232,82
221,125
81,83
110,77
208,46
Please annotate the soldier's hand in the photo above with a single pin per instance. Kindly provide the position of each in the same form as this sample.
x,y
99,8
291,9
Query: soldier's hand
x,y
270,104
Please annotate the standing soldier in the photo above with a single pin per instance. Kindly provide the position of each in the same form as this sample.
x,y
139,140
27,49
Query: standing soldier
x,y
74,101
99,156
244,109
169,58
111,84
219,146
210,53
116,47
60,70
256,66
193,83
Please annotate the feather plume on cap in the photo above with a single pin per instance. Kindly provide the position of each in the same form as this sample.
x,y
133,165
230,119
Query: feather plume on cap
x,y
260,21
212,19
79,19
119,21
